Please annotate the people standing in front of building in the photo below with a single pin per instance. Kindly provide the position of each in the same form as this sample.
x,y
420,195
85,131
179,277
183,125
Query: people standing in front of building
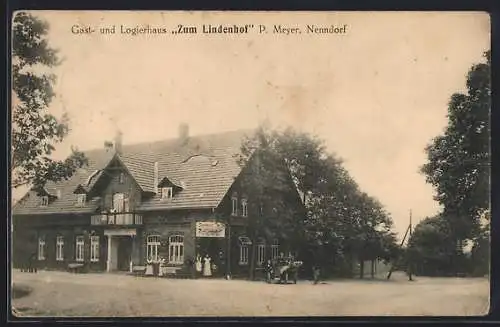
x,y
316,274
207,266
269,271
198,264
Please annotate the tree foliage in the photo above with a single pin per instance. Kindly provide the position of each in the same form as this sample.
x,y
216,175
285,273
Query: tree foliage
x,y
459,160
340,223
431,248
34,130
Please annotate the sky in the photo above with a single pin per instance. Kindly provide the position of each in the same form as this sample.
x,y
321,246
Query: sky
x,y
376,95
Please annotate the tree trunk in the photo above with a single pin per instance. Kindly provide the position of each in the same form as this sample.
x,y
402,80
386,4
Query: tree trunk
x,y
361,269
352,263
373,269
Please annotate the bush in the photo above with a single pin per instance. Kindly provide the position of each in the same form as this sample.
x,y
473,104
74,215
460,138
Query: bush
x,y
19,291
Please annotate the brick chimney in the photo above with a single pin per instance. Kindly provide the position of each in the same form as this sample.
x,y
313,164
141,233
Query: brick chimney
x,y
108,146
118,141
155,177
183,133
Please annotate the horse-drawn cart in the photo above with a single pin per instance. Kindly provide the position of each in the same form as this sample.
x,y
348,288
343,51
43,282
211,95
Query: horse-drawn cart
x,y
283,270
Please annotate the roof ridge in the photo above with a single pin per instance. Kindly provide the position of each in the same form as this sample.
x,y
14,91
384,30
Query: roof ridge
x,y
172,139
212,181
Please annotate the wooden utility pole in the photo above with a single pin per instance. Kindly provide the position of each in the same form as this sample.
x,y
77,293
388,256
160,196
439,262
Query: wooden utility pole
x,y
409,263
402,242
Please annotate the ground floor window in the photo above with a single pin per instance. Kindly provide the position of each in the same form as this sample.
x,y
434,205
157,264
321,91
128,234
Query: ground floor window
x,y
261,253
94,248
41,248
275,249
60,248
243,255
245,243
152,245
79,248
176,249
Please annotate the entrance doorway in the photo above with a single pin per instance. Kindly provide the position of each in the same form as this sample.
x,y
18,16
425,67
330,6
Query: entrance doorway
x,y
120,249
124,252
216,249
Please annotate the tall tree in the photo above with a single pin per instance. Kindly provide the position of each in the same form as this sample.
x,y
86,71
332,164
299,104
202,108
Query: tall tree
x,y
459,160
480,252
340,223
34,130
430,248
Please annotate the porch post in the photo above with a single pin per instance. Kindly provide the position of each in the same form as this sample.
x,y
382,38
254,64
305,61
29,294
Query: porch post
x,y
108,263
132,253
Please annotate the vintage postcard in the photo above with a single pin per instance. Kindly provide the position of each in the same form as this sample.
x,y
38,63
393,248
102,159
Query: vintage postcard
x,y
250,164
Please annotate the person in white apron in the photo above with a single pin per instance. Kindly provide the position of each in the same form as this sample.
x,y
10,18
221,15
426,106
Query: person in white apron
x,y
207,268
198,264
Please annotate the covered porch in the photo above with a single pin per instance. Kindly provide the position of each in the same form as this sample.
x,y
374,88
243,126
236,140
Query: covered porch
x,y
123,249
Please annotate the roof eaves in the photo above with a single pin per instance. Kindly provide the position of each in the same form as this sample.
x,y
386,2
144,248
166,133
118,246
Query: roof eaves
x,y
176,207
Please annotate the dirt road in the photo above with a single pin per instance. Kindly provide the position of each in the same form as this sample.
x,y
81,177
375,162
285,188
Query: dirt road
x,y
64,294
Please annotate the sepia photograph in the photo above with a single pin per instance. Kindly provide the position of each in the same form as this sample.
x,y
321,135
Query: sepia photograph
x,y
250,164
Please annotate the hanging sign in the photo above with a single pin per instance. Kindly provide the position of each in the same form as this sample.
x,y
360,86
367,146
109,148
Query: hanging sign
x,y
210,229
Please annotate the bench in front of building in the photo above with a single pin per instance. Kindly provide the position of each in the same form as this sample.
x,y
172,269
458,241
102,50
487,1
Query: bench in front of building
x,y
76,267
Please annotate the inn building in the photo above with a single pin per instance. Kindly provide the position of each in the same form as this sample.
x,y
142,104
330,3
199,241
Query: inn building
x,y
142,203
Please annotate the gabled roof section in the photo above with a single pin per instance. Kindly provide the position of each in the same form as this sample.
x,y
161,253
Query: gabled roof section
x,y
206,181
141,169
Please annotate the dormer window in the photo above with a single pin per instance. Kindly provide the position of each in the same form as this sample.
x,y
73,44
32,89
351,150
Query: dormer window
x,y
81,198
44,201
166,193
234,201
244,207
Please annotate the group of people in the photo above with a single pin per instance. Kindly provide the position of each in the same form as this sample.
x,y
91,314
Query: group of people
x,y
204,266
282,265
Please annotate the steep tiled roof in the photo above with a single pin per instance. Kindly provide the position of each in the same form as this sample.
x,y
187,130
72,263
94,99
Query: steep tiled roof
x,y
205,168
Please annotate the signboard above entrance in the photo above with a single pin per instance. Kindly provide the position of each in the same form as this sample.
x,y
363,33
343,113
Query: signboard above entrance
x,y
210,229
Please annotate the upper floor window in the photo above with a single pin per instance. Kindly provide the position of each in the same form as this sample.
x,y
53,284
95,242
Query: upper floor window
x,y
234,202
41,248
60,248
244,207
152,246
176,249
118,202
82,197
121,178
166,192
44,201
126,204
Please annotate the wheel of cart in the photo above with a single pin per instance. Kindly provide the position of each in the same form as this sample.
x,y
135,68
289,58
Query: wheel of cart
x,y
294,270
